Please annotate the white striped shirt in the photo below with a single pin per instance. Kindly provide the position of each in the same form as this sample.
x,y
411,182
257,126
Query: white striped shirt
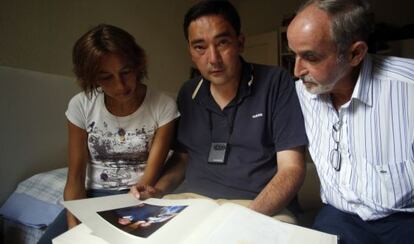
x,y
376,177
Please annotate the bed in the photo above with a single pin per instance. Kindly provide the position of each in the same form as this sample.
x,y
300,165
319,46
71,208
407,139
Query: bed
x,y
33,206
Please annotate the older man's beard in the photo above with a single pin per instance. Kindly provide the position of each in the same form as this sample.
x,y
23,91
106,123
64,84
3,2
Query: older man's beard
x,y
315,87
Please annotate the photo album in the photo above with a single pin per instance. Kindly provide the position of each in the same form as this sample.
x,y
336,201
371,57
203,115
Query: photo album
x,y
122,219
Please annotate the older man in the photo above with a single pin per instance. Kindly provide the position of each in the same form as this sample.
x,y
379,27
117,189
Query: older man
x,y
359,118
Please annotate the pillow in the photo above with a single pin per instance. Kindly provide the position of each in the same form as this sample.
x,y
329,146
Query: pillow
x,y
36,201
46,186
29,211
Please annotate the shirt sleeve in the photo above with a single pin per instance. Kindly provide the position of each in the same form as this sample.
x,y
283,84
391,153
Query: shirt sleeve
x,y
166,110
288,125
75,112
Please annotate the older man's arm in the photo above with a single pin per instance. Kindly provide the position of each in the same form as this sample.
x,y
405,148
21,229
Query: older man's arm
x,y
284,185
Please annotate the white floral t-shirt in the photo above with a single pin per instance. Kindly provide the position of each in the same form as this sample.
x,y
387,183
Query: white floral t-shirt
x,y
119,146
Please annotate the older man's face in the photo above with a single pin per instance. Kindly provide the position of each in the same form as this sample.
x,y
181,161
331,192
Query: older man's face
x,y
317,61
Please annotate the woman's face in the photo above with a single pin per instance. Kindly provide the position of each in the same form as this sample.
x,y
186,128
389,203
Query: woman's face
x,y
117,79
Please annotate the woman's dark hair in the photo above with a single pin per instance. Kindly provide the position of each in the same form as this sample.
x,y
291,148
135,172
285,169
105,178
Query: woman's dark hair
x,y
99,41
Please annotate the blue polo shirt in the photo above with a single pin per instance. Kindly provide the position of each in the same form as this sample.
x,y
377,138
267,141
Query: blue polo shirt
x,y
267,119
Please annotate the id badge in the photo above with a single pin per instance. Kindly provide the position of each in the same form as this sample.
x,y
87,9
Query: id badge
x,y
218,153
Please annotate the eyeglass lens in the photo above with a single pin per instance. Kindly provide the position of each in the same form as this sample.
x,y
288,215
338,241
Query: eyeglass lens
x,y
335,155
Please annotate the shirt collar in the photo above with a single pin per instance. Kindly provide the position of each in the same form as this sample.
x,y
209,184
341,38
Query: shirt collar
x,y
247,79
363,87
202,93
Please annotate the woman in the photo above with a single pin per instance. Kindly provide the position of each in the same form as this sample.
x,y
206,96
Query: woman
x,y
119,129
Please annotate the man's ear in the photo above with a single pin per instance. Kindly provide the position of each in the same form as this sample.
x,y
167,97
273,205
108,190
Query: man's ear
x,y
358,50
241,40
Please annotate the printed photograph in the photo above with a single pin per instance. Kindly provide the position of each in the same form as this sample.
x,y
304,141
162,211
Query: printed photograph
x,y
141,220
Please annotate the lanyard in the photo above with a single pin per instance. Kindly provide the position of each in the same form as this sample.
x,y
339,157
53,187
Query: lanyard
x,y
233,117
230,122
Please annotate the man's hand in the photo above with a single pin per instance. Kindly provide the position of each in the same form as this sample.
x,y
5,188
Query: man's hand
x,y
172,176
143,192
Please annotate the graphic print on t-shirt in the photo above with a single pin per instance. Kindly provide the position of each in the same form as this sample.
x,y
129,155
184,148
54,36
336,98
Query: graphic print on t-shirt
x,y
115,163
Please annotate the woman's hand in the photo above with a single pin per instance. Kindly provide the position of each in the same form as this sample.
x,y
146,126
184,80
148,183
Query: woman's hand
x,y
143,192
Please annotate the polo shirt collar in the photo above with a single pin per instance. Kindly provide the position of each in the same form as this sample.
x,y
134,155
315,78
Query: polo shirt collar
x,y
247,79
202,94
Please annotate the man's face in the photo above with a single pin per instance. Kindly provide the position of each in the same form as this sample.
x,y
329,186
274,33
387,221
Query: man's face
x,y
317,61
215,48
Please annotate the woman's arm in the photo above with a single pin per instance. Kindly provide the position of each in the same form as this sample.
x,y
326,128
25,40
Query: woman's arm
x,y
78,158
157,154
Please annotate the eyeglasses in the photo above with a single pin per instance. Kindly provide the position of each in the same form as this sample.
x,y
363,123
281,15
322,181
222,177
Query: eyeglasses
x,y
335,155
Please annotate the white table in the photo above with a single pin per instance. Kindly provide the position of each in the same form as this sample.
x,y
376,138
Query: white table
x,y
80,234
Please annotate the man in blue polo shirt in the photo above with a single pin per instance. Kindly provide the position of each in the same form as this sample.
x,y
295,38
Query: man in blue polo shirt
x,y
241,133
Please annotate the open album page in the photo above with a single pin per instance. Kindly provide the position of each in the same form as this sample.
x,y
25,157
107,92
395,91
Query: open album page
x,y
122,219
233,224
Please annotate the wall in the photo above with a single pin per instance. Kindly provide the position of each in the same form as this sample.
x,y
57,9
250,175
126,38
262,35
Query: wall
x,y
39,35
261,16
265,16
401,48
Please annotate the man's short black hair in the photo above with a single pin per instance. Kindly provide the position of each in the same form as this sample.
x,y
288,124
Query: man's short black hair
x,y
212,7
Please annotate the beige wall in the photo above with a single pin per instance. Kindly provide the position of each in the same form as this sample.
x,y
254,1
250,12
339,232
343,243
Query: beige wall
x,y
39,35
261,16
